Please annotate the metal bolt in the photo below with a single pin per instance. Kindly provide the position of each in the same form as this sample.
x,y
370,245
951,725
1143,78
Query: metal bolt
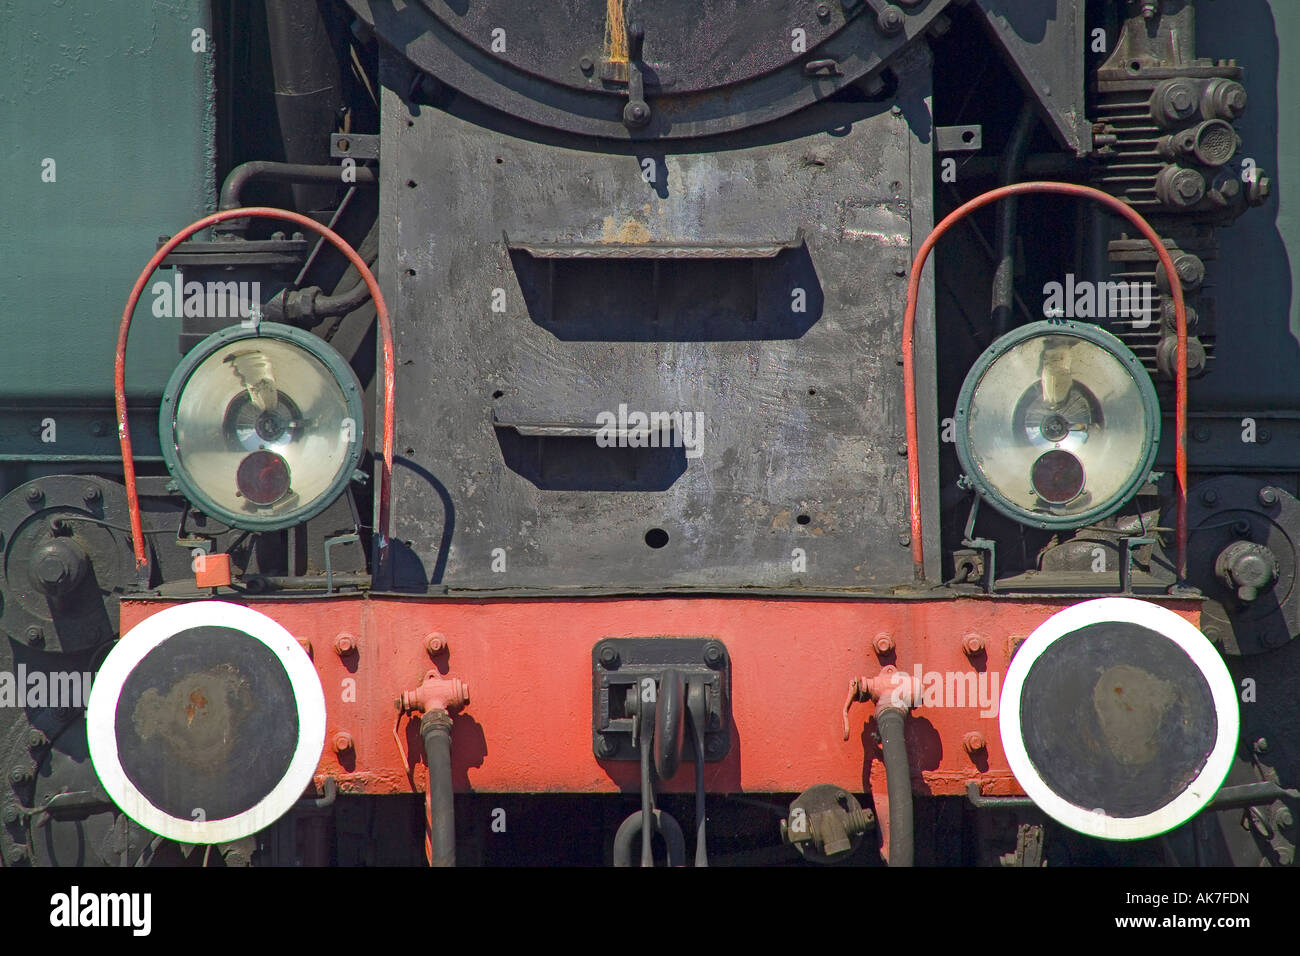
x,y
36,739
972,644
1282,818
1264,436
605,747
344,144
34,495
35,635
1267,496
902,449
1187,186
896,110
1285,855
342,742
586,65
884,644
973,742
435,644
1150,8
20,775
345,644
1201,433
10,813
714,655
90,495
17,854
1190,269
713,746
1209,496
823,11
1261,746
904,538
890,20
608,656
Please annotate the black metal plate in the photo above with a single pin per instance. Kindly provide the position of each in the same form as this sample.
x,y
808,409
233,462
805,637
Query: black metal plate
x,y
207,720
1116,716
710,68
639,658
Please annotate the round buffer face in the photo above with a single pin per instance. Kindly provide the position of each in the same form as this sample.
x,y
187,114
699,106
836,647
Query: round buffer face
x,y
1119,719
206,722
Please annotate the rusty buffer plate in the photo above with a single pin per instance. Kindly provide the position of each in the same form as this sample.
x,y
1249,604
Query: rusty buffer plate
x,y
206,722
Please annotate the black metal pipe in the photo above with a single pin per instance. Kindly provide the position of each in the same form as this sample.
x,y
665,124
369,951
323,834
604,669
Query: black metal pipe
x,y
898,782
262,583
232,189
435,729
1004,277
308,88
1250,795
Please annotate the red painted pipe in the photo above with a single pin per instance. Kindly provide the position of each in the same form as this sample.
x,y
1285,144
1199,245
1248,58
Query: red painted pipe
x,y
385,334
909,330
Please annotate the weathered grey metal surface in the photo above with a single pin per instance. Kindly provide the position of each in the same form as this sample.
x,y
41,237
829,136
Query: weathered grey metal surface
x,y
802,411
1045,42
708,68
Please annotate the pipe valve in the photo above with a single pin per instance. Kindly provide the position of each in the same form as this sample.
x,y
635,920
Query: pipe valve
x,y
435,693
891,689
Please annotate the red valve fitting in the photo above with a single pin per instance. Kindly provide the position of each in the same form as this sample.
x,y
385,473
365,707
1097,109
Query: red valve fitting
x,y
890,689
436,693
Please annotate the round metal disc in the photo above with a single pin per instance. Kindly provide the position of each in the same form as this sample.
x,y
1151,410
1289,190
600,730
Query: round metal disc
x,y
206,722
1119,718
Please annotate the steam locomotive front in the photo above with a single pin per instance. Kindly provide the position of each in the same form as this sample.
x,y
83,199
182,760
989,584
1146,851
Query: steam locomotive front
x,y
621,375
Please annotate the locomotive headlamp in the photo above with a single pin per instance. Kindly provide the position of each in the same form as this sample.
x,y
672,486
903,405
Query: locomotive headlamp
x,y
1057,424
260,427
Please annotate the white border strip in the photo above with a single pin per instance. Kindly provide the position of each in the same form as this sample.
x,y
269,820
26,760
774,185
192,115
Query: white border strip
x,y
101,713
1223,695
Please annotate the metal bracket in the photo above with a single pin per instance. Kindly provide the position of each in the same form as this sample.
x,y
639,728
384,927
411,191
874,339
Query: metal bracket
x,y
988,546
354,146
637,665
329,568
982,802
1126,561
959,139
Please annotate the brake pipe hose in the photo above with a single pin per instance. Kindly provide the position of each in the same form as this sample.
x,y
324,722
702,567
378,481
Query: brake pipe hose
x,y
1076,191
119,371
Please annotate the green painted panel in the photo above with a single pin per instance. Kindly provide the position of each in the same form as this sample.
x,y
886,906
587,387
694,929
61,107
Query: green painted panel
x,y
114,93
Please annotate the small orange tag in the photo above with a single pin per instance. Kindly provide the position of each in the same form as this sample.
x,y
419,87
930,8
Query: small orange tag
x,y
213,571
